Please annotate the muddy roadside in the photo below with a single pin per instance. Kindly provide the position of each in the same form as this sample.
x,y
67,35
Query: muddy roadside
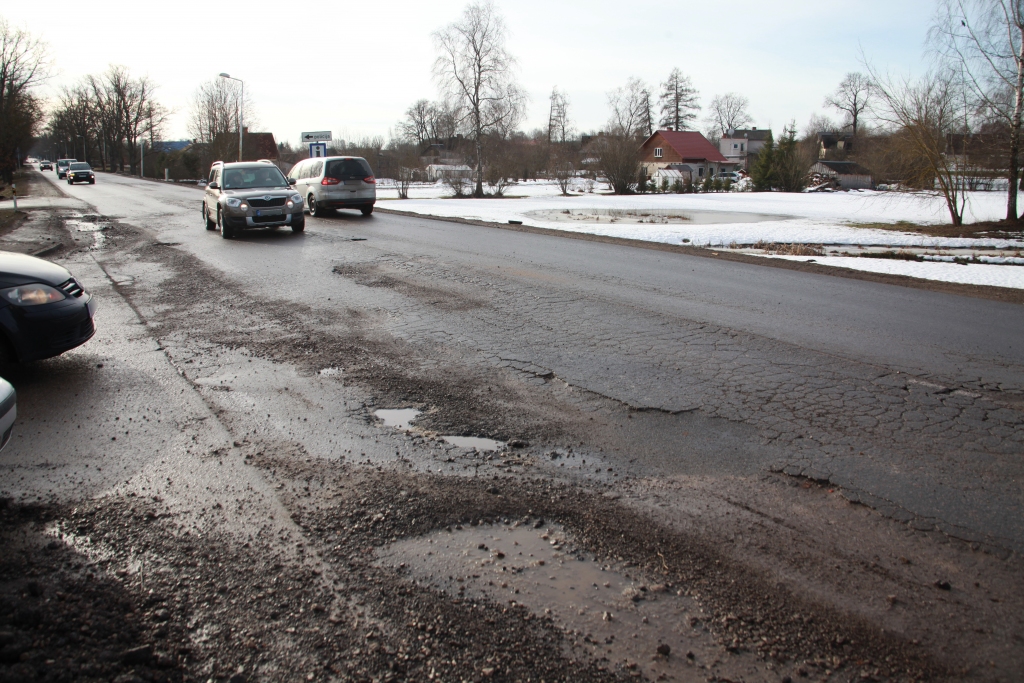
x,y
775,577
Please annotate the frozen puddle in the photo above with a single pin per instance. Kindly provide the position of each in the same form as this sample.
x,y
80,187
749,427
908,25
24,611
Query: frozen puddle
x,y
403,417
608,613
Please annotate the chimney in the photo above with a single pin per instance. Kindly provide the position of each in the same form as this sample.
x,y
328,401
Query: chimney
x,y
753,128
670,128
245,129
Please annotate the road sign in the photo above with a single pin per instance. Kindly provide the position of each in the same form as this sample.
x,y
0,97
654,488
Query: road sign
x,y
317,149
317,136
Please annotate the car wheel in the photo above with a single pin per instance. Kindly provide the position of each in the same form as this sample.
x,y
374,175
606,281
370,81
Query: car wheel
x,y
92,182
225,230
299,227
367,210
210,225
315,210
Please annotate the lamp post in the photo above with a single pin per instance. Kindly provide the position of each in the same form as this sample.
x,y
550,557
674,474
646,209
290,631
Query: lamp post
x,y
83,147
241,97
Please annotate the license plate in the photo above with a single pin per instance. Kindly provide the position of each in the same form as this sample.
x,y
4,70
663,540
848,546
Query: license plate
x,y
269,212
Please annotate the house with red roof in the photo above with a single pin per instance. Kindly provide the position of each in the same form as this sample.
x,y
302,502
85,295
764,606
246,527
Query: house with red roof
x,y
685,151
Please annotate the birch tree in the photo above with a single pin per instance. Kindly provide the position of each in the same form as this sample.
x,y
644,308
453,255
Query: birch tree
x,y
727,112
476,73
985,38
631,109
559,124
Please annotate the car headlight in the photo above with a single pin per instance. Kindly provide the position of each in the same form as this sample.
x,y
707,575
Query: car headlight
x,y
297,198
234,203
243,207
32,295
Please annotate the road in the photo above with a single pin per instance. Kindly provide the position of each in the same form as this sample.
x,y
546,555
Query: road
x,y
758,407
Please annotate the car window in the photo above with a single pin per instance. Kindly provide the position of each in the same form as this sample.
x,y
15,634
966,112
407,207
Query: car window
x,y
213,175
253,177
317,168
348,169
295,171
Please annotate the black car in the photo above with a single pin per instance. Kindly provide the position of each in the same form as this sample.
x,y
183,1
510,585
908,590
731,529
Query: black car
x,y
80,172
44,311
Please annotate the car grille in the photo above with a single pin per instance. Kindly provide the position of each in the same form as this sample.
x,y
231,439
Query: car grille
x,y
71,288
77,332
269,219
262,203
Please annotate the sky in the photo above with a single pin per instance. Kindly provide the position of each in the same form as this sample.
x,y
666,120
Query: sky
x,y
355,67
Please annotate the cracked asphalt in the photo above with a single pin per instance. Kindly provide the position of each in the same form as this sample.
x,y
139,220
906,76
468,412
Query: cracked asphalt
x,y
797,444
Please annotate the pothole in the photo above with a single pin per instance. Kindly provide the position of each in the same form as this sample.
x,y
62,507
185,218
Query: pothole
x,y
402,418
607,611
329,372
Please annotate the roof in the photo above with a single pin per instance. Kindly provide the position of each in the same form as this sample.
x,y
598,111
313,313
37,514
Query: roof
x,y
748,134
845,167
690,144
668,173
171,145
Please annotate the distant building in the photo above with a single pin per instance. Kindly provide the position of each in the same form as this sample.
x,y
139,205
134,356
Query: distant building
x,y
831,144
169,146
683,150
437,172
848,175
741,145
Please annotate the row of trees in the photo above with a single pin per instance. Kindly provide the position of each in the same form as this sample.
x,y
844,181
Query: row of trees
x,y
24,64
103,119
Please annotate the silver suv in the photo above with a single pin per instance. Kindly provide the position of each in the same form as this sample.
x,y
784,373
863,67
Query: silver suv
x,y
250,194
329,183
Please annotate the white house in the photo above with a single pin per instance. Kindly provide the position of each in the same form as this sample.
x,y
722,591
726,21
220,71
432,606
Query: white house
x,y
739,145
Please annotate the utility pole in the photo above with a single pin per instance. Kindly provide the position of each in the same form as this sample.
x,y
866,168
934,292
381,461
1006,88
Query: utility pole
x,y
241,99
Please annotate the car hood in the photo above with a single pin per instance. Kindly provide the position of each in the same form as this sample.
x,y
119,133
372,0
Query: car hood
x,y
21,269
81,170
260,191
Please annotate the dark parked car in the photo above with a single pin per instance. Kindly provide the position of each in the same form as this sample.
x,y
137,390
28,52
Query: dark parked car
x,y
8,411
44,311
80,172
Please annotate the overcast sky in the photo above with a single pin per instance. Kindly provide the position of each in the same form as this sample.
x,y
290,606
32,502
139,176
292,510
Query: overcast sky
x,y
354,67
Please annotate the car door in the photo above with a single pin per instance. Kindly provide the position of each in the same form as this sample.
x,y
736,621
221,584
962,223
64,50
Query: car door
x,y
212,195
296,174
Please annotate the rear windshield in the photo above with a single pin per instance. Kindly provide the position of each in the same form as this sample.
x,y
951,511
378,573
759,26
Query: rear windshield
x,y
80,166
348,169
256,176
64,162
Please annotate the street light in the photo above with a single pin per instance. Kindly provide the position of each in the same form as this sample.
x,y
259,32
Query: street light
x,y
241,96
83,146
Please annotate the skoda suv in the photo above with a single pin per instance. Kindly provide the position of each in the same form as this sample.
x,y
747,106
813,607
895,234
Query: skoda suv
x,y
250,194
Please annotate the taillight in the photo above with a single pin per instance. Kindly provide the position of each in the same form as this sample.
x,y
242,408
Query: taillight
x,y
370,179
329,181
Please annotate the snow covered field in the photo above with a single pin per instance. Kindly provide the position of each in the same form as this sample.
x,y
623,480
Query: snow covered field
x,y
810,218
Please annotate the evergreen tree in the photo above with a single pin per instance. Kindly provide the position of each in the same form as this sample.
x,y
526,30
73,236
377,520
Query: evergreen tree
x,y
762,171
678,101
789,170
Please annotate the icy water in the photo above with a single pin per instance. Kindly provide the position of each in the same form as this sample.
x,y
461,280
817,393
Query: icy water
x,y
402,419
609,612
656,216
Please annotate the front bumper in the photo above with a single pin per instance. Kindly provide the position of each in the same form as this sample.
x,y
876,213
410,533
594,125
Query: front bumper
x,y
258,218
38,332
82,177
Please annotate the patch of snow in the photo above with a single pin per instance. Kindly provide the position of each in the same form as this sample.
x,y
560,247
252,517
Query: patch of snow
x,y
972,274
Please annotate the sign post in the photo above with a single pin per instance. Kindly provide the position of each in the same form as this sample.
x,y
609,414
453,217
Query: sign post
x,y
317,149
317,141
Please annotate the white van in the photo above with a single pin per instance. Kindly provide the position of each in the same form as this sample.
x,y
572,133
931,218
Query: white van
x,y
329,183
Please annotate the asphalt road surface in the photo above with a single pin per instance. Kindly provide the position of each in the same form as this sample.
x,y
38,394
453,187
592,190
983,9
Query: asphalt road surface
x,y
807,424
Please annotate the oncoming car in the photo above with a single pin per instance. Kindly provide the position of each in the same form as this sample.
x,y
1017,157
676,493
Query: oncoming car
x,y
331,183
62,167
80,172
250,194
45,165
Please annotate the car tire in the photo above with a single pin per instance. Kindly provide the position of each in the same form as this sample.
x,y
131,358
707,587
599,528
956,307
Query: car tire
x,y
92,182
299,227
315,210
367,210
210,224
226,231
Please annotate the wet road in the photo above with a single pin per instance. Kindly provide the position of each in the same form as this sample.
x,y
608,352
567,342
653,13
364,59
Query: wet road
x,y
908,399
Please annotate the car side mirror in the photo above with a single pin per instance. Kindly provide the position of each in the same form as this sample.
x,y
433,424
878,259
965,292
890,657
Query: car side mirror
x,y
213,186
292,181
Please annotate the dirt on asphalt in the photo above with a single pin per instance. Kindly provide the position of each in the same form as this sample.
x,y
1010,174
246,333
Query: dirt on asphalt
x,y
122,588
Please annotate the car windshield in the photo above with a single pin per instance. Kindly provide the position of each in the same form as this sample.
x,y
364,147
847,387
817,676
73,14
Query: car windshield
x,y
348,169
253,177
80,166
63,162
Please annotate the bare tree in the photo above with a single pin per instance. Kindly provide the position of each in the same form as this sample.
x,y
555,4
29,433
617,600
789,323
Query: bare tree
x,y
213,115
476,72
620,160
678,101
986,39
819,123
727,112
921,114
417,125
562,165
23,65
559,124
852,97
632,109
